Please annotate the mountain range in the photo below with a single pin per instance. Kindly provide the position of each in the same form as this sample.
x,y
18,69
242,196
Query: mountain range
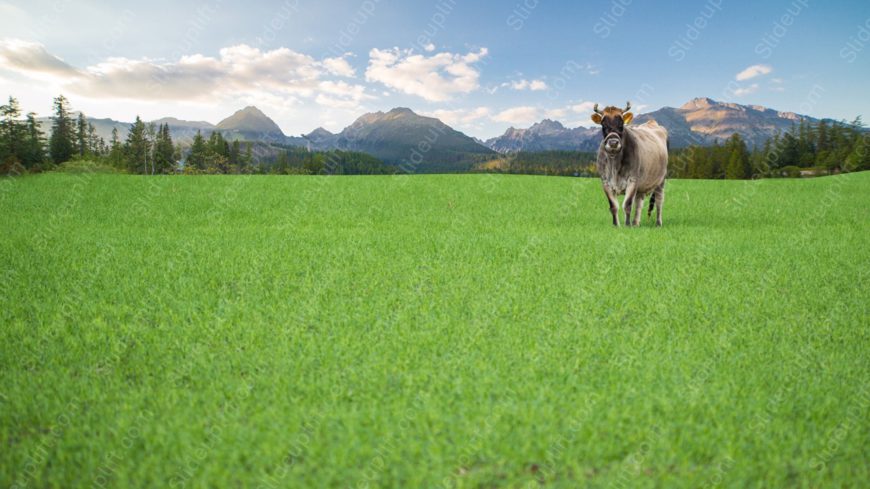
x,y
401,137
700,121
547,135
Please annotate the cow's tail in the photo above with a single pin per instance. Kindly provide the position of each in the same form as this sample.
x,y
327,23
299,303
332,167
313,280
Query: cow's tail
x,y
652,199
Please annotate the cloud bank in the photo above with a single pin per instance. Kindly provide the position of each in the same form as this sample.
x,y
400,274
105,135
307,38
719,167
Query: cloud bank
x,y
239,69
435,78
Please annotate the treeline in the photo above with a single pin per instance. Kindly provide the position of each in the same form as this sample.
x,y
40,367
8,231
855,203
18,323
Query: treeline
x,y
23,145
557,163
149,149
806,149
299,161
216,155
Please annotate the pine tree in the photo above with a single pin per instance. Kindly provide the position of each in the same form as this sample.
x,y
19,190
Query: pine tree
x,y
196,158
235,153
822,137
34,143
760,162
136,148
61,143
734,169
806,144
11,133
789,151
719,160
93,141
859,158
249,154
81,134
164,154
738,166
116,150
151,148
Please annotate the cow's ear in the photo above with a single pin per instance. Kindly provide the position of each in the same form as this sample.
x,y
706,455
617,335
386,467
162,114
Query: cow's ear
x,y
627,117
596,118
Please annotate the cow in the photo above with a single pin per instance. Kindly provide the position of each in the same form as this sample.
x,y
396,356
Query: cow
x,y
632,160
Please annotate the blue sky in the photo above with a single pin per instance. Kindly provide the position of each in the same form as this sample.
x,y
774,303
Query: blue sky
x,y
480,66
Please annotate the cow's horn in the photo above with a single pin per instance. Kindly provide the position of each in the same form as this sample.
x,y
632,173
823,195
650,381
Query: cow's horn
x,y
595,109
627,106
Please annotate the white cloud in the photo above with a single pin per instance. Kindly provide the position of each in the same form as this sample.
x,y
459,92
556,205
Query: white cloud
x,y
746,90
583,107
341,95
429,47
753,71
521,116
536,85
556,114
533,85
238,70
518,115
30,57
434,78
339,66
460,117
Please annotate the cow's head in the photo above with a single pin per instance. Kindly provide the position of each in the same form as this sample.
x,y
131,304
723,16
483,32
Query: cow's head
x,y
613,121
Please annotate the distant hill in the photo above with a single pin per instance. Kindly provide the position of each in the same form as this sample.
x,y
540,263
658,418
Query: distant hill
x,y
184,131
704,120
102,126
251,124
546,135
173,122
700,121
180,130
403,138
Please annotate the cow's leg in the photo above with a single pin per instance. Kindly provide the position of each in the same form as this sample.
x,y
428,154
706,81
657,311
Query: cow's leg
x,y
660,199
629,201
614,204
638,208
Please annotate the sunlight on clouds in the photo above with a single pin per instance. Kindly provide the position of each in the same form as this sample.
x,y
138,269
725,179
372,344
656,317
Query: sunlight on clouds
x,y
556,114
341,95
518,115
753,71
583,107
434,78
239,69
32,58
339,66
460,117
533,85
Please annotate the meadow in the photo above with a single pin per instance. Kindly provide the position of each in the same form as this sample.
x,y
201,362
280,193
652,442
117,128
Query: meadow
x,y
431,331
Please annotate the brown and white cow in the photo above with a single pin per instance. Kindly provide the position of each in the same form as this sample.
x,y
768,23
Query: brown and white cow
x,y
632,160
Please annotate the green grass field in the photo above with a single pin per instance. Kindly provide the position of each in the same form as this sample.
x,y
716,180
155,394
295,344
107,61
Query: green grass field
x,y
431,331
